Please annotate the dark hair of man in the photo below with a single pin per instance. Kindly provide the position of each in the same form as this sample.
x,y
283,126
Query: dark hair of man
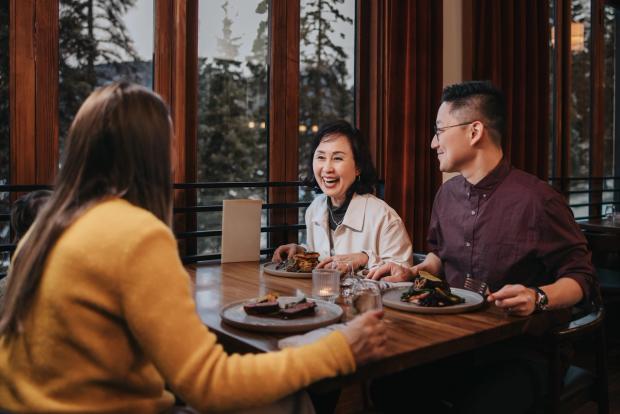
x,y
25,210
367,179
479,99
118,147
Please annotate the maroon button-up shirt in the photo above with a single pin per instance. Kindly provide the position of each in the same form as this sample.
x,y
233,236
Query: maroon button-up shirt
x,y
510,228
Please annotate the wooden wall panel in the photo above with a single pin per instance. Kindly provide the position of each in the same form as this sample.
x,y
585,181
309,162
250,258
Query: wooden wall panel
x,y
283,111
22,73
176,77
34,91
46,92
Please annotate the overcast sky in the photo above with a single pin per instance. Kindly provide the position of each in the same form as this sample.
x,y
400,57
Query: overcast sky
x,y
139,21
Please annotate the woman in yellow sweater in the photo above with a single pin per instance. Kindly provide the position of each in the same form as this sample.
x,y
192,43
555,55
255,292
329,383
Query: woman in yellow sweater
x,y
99,314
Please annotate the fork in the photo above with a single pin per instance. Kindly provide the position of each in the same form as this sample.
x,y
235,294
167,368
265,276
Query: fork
x,y
477,286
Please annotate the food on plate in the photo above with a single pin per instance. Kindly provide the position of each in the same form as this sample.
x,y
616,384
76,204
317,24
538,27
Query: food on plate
x,y
301,262
263,305
297,309
429,290
268,306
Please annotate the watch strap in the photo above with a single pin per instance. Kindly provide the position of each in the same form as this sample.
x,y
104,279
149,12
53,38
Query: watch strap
x,y
542,301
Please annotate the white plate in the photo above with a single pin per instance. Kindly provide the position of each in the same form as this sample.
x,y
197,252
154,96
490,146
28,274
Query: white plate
x,y
270,268
326,313
391,299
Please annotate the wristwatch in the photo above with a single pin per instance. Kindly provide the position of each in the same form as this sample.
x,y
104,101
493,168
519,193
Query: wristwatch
x,y
542,301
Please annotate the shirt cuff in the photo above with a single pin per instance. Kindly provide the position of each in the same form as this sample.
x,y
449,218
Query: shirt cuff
x,y
373,259
587,285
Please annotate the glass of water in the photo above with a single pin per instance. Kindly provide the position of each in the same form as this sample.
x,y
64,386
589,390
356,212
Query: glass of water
x,y
326,284
366,297
610,212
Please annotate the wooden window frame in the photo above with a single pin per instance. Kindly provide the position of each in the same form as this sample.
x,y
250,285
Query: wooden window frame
x,y
562,61
34,128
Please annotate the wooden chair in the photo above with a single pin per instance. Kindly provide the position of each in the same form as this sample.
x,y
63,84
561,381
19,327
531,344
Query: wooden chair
x,y
579,386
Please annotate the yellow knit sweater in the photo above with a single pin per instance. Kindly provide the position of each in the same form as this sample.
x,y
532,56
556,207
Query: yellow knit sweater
x,y
113,320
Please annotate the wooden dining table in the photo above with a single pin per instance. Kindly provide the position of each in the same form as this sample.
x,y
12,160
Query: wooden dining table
x,y
413,339
601,226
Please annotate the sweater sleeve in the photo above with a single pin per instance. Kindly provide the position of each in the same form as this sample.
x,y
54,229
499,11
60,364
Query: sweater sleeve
x,y
161,315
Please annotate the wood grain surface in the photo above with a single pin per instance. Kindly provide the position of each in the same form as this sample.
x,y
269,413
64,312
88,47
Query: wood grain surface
x,y
413,339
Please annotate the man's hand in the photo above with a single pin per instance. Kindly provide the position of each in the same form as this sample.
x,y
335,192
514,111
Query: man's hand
x,y
392,272
358,260
515,299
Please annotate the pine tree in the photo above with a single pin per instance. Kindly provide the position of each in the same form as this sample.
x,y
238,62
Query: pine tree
x,y
92,34
324,94
232,139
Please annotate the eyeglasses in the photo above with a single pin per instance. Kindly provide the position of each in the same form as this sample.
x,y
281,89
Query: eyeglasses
x,y
437,131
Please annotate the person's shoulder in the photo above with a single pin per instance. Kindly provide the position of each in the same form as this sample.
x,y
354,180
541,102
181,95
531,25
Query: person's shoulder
x,y
531,186
118,218
376,205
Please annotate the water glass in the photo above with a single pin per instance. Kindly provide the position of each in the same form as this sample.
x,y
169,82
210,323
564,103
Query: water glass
x,y
345,267
366,297
326,284
610,213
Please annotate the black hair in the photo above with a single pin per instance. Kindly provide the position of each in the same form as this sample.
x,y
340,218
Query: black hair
x,y
482,97
367,179
25,209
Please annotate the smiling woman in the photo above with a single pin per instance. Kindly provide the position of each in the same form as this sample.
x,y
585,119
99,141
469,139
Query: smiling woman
x,y
347,222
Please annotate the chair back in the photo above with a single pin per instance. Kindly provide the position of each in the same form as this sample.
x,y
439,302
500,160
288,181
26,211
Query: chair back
x,y
571,389
605,248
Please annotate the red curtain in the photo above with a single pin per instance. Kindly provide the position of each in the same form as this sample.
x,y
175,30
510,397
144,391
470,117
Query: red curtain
x,y
412,77
510,47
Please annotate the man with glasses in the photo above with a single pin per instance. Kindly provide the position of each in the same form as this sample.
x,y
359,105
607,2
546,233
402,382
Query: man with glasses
x,y
507,228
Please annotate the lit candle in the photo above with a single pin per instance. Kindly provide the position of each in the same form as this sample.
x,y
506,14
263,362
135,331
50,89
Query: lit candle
x,y
325,292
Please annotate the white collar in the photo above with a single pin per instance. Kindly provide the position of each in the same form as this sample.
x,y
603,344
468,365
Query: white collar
x,y
353,218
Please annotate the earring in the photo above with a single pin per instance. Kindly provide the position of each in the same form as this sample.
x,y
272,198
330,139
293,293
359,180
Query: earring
x,y
358,178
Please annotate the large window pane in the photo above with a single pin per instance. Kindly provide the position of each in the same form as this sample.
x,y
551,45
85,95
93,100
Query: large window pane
x,y
580,103
326,79
611,140
102,41
4,126
232,104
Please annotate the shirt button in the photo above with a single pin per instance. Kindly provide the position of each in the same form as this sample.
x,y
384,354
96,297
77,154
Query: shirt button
x,y
467,244
484,195
473,212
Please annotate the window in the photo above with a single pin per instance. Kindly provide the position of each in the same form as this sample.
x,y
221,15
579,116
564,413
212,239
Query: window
x,y
585,143
611,137
326,78
233,104
100,42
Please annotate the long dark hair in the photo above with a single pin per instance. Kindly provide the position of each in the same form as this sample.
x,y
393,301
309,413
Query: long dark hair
x,y
118,146
363,162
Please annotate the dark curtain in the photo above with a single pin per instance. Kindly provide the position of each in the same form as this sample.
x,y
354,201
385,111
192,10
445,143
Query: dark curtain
x,y
413,83
510,47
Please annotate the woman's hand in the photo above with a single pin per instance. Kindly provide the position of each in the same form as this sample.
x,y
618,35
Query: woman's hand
x,y
392,272
367,337
358,260
286,251
515,299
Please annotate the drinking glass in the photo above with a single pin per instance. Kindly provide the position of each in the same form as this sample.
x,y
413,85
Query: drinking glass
x,y
326,284
345,267
366,296
610,212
